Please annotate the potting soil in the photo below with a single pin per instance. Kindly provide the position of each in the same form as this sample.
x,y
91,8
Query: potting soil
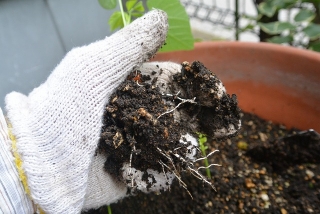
x,y
265,169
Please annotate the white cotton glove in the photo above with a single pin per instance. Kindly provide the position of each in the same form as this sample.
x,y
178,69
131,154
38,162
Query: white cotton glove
x,y
58,125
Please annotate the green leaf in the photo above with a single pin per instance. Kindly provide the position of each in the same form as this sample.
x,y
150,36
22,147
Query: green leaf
x,y
136,14
249,17
312,31
179,36
202,140
270,7
276,27
247,27
281,39
288,4
136,10
284,4
108,4
267,8
116,21
138,7
130,4
304,15
315,46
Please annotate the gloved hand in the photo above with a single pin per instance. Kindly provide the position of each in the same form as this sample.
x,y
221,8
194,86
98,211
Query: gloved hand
x,y
57,126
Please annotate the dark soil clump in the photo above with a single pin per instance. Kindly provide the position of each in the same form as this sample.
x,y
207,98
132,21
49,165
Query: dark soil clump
x,y
132,126
215,109
140,128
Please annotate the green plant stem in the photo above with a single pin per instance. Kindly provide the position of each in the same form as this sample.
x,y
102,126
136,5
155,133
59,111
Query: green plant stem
x,y
109,209
202,140
122,13
206,163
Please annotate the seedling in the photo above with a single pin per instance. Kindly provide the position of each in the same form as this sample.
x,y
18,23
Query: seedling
x,y
202,139
179,36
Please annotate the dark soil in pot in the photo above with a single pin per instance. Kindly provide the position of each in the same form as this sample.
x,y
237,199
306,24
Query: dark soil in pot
x,y
261,172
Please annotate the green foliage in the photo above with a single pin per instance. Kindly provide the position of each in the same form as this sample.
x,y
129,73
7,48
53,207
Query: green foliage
x,y
108,4
281,39
315,46
304,16
270,7
276,27
135,8
202,139
119,19
267,8
312,31
179,36
305,23
116,20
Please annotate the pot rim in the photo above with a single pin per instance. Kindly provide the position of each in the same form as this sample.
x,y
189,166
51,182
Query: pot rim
x,y
260,45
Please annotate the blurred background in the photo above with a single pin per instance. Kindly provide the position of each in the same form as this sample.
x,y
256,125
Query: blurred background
x,y
36,34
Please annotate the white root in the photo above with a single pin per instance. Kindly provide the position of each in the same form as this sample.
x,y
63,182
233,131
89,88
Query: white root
x,y
202,178
130,165
195,175
130,168
138,83
165,175
190,165
172,95
183,184
179,98
203,158
177,148
178,156
169,158
206,167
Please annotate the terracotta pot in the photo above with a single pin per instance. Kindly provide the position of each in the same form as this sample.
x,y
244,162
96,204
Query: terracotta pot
x,y
277,83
